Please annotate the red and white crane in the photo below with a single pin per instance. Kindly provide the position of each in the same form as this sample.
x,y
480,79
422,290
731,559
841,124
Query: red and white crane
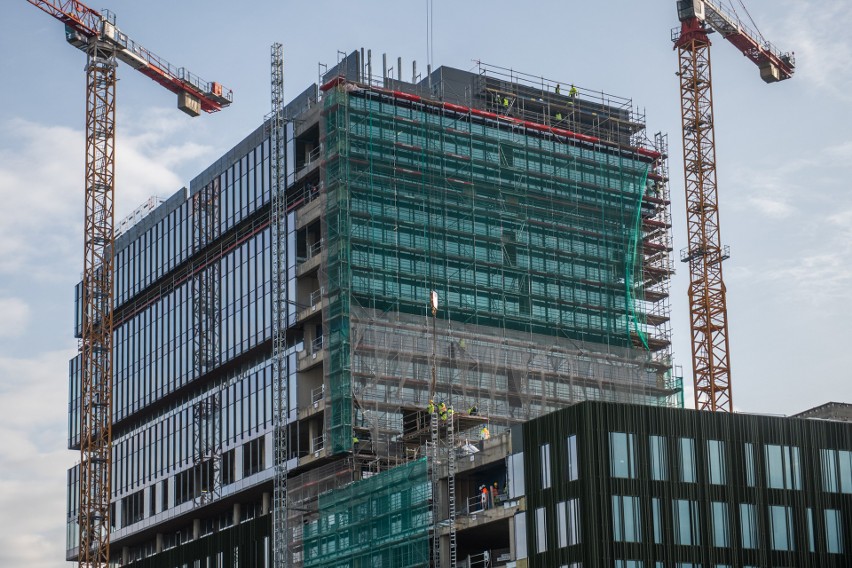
x,y
705,253
105,44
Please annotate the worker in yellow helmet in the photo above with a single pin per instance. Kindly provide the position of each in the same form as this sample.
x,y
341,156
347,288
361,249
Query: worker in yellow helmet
x,y
573,92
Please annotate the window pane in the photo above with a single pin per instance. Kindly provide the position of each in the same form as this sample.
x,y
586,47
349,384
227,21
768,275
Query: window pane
x,y
720,524
658,521
782,467
833,532
573,466
573,522
687,460
781,527
685,518
622,453
659,458
748,523
845,470
540,530
626,519
749,464
716,462
568,522
810,520
829,470
544,452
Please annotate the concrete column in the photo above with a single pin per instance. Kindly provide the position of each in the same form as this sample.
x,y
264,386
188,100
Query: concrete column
x,y
236,516
158,542
196,529
125,555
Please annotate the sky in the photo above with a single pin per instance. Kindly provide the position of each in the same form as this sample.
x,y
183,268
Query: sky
x,y
784,161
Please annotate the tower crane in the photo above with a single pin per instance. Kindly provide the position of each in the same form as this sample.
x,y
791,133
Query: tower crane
x,y
705,253
105,44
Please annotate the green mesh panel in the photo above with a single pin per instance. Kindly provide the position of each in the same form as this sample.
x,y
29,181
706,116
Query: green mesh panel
x,y
382,521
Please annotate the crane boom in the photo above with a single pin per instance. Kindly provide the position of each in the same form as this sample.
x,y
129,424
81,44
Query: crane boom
x,y
83,23
774,65
104,44
707,294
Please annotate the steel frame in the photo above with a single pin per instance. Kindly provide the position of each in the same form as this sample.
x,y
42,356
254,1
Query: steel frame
x,y
96,344
708,308
280,310
207,449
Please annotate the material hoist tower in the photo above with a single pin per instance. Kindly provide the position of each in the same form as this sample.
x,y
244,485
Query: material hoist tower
x,y
105,45
705,253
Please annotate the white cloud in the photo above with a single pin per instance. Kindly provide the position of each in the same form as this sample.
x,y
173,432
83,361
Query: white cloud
x,y
818,32
33,413
41,185
14,316
41,210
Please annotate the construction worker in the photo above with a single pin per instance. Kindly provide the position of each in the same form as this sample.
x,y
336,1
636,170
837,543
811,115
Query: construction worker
x,y
473,411
431,408
559,116
484,434
494,495
483,497
442,410
506,104
558,88
573,92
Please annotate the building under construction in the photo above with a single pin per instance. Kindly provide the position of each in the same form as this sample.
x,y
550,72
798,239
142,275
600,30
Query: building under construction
x,y
536,213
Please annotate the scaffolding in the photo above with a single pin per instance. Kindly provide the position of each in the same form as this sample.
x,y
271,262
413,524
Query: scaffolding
x,y
381,521
539,213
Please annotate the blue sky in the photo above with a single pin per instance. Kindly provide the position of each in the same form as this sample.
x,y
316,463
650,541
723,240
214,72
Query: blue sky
x,y
784,157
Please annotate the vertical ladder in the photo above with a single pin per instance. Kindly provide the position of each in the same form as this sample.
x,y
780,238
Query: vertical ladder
x,y
451,485
280,311
434,455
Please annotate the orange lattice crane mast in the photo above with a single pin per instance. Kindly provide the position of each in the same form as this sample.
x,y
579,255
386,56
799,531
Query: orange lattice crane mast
x,y
104,44
705,253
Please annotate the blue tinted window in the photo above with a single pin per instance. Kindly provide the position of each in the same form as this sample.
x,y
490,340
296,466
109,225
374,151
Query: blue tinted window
x,y
716,462
659,458
685,519
782,467
571,453
687,459
719,512
626,519
748,525
781,527
622,455
833,532
749,464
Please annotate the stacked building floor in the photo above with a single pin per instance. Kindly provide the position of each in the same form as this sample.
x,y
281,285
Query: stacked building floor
x,y
536,212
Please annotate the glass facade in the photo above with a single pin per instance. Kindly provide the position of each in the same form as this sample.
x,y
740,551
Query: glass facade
x,y
168,456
